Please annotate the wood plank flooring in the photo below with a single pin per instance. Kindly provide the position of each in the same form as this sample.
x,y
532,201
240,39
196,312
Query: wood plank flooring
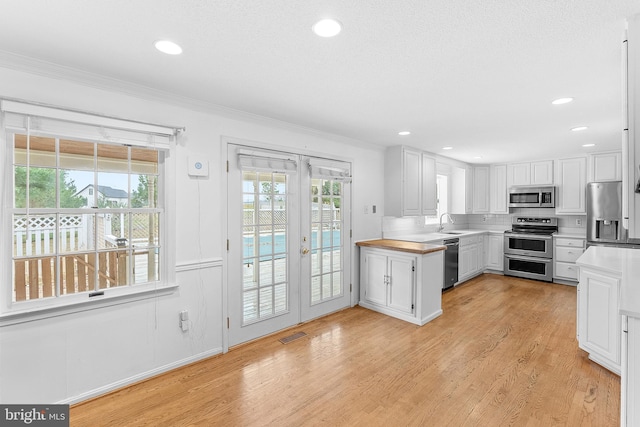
x,y
503,353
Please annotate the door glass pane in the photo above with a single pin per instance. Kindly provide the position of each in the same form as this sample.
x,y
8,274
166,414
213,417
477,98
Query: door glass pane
x,y
326,238
265,286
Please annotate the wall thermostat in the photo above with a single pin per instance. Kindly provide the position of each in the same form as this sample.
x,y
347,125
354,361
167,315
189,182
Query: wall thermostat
x,y
198,167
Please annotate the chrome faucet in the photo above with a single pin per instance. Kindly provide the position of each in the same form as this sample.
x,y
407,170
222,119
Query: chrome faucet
x,y
441,227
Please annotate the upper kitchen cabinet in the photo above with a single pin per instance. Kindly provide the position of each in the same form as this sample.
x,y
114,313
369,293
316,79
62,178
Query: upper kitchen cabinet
x,y
533,173
571,183
481,189
606,166
410,182
498,186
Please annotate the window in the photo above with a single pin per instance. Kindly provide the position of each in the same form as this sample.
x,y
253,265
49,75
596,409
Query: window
x,y
442,193
68,242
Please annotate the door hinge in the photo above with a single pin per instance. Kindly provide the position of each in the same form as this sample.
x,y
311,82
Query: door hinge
x,y
227,244
227,323
351,234
227,166
412,306
413,268
350,287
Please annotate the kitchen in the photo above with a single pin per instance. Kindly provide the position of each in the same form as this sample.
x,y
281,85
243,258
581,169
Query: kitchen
x,y
201,233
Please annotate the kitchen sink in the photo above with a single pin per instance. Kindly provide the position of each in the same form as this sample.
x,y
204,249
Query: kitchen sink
x,y
452,232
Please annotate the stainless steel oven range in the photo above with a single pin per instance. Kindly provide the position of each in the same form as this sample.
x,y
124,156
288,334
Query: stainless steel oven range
x,y
528,248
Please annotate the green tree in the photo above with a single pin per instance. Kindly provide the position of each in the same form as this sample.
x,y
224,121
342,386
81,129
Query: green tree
x,y
328,190
140,196
42,189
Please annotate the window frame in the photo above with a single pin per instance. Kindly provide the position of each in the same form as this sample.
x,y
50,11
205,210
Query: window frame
x,y
19,311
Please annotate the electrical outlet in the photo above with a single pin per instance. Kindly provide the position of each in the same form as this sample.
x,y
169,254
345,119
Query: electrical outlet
x,y
579,222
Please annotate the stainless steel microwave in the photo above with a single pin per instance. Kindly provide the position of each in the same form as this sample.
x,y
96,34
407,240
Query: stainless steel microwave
x,y
532,197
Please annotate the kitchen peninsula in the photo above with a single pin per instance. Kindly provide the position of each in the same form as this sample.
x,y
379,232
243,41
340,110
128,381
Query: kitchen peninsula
x,y
402,279
609,318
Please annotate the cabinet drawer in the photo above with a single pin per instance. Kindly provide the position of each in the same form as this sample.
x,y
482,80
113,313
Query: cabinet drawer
x,y
565,254
566,270
574,243
470,240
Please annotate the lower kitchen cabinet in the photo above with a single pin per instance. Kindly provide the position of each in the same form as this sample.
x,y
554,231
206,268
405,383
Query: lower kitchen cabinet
x,y
401,284
630,378
470,257
494,247
567,250
599,321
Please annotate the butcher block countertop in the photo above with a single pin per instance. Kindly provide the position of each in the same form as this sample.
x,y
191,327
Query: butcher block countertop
x,y
402,246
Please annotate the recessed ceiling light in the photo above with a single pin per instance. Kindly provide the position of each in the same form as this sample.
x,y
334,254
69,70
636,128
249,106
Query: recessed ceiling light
x,y
404,133
477,157
588,145
447,148
327,27
579,128
168,47
560,101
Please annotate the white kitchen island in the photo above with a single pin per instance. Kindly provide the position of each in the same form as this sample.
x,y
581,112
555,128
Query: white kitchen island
x,y
609,319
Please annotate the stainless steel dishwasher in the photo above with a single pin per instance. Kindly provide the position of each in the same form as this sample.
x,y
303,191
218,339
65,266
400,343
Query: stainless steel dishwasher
x,y
450,263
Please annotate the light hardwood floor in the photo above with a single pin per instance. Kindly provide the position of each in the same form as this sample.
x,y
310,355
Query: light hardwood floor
x,y
503,353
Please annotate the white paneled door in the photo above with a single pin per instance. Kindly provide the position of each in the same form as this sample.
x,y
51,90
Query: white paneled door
x,y
289,245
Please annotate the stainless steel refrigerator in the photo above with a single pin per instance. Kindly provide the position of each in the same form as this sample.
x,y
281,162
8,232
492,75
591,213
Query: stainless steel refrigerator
x,y
604,213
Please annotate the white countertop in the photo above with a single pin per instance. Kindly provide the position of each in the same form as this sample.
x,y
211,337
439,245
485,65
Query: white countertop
x,y
623,263
435,236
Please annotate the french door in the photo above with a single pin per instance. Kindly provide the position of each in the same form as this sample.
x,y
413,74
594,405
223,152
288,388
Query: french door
x,y
289,245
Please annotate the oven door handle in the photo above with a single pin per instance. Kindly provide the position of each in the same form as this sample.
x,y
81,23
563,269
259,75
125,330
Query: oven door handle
x,y
529,236
528,258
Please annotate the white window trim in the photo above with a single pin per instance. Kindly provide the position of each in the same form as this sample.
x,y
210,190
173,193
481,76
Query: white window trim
x,y
164,139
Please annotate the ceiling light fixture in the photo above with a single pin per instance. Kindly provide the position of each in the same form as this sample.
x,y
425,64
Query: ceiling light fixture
x,y
168,47
561,101
327,27
447,148
579,128
404,133
588,145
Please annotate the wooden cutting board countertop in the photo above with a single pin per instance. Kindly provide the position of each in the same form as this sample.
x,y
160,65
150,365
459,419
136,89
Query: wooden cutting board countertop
x,y
402,246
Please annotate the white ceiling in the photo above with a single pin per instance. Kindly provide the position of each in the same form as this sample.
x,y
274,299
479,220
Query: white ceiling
x,y
477,75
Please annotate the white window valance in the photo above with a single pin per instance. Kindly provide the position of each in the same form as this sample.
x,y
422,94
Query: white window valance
x,y
330,169
265,162
41,119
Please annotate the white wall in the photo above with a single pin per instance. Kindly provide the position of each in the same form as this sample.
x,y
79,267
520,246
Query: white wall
x,y
72,357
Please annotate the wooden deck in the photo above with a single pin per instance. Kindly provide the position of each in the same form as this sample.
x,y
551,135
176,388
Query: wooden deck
x,y
503,353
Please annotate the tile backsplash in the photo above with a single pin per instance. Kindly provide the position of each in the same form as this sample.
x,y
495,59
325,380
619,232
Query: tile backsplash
x,y
407,225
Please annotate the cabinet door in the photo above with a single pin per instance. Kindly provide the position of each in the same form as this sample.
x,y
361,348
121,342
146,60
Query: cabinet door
x,y
605,166
411,182
495,252
571,194
498,184
465,262
401,285
429,197
374,280
599,321
519,174
481,189
542,173
476,258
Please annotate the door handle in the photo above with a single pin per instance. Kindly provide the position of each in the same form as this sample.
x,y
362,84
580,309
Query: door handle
x,y
305,251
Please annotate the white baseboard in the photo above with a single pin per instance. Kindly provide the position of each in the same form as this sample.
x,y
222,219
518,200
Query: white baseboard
x,y
139,377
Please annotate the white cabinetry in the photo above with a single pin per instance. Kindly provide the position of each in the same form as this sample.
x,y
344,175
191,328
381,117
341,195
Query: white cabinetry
x,y
599,321
631,125
410,182
630,377
572,182
498,184
494,249
481,189
470,257
534,173
567,250
605,166
401,284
